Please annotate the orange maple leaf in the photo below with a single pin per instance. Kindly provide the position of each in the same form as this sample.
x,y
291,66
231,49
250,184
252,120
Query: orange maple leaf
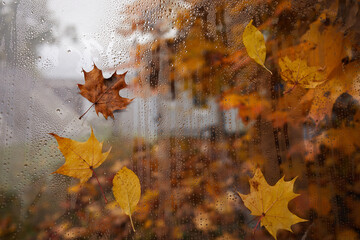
x,y
329,47
81,158
345,80
104,92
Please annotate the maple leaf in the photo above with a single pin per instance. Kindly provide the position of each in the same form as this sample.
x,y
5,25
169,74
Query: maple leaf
x,y
127,191
330,45
270,203
323,46
345,80
104,92
297,72
81,158
254,43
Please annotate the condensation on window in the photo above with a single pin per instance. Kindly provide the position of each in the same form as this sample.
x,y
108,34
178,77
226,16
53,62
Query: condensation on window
x,y
221,104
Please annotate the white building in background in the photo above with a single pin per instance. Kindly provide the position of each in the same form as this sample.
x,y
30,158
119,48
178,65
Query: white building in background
x,y
153,116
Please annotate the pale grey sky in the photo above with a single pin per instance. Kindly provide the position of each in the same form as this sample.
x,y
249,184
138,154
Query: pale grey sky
x,y
95,22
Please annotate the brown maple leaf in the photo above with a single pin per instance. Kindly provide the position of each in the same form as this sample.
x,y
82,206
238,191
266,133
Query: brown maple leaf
x,y
104,92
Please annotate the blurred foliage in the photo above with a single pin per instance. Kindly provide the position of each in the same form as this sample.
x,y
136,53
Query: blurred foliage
x,y
301,121
189,185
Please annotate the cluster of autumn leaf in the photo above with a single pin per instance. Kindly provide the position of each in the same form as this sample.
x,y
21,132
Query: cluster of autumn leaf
x,y
82,158
301,120
267,202
293,128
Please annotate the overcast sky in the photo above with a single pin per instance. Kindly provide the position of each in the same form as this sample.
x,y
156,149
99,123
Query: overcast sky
x,y
95,22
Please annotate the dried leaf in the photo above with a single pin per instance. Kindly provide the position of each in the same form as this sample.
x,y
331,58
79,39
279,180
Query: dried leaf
x,y
255,44
270,203
345,79
127,191
329,47
299,73
81,158
104,92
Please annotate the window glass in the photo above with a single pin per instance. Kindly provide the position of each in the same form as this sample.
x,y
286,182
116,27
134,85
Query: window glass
x,y
234,119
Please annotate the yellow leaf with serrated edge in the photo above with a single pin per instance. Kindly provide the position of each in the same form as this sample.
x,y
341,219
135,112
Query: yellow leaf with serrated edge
x,y
271,203
297,72
127,191
255,44
81,158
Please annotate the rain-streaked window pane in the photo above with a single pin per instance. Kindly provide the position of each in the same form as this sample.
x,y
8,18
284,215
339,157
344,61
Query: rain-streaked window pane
x,y
198,113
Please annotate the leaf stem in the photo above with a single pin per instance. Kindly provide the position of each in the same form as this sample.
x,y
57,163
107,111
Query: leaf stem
x,y
86,111
132,224
267,69
102,191
290,89
101,95
257,224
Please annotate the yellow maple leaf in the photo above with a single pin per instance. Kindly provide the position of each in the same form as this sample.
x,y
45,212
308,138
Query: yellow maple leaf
x,y
81,158
254,43
270,203
297,72
127,191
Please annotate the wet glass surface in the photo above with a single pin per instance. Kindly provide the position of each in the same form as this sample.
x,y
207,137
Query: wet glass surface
x,y
205,114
